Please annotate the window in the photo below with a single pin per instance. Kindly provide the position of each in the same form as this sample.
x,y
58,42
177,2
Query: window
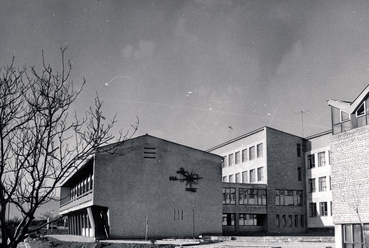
x,y
344,116
298,149
224,179
230,158
296,220
229,196
361,110
361,115
311,185
237,157
230,180
224,161
302,221
331,209
252,197
244,155
299,174
311,161
288,197
312,209
244,176
252,153
323,208
290,223
252,176
322,183
284,220
238,177
277,221
250,220
178,214
352,234
259,150
260,174
297,198
228,219
321,159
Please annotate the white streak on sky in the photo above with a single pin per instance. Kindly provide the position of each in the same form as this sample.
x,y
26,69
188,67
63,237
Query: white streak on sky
x,y
108,83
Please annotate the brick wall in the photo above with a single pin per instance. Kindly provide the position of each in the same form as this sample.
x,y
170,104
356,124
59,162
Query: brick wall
x,y
282,163
350,175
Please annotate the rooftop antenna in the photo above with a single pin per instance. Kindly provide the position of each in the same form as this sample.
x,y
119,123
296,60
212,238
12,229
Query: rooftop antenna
x,y
302,112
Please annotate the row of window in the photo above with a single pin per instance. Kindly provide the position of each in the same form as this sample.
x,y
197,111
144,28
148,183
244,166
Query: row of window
x,y
245,196
229,219
290,220
288,197
242,156
83,186
322,184
323,209
321,159
246,177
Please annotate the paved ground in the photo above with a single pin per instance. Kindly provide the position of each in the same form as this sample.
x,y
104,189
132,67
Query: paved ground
x,y
235,244
195,243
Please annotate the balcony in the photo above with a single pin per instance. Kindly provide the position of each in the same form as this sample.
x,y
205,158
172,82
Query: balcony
x,y
77,203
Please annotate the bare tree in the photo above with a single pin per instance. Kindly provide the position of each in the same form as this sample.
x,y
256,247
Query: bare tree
x,y
40,142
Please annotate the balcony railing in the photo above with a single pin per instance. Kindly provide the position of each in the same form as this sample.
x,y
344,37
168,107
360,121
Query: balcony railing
x,y
84,198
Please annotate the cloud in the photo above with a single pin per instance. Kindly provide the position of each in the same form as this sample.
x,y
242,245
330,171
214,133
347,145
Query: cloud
x,y
146,49
127,51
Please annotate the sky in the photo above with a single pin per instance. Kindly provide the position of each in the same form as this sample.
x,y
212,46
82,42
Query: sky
x,y
199,72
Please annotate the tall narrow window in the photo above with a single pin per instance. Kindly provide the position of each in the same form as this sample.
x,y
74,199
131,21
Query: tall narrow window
x,y
321,159
230,180
252,153
260,174
311,161
252,176
322,183
296,221
237,157
244,177
244,155
311,185
259,150
299,174
302,219
298,148
225,161
238,177
312,209
323,207
230,159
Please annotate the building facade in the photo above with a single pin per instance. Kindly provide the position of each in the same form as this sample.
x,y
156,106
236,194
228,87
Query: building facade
x,y
318,183
156,189
350,170
267,165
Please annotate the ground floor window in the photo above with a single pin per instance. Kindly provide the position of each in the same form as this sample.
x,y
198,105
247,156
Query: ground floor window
x,y
250,220
353,235
228,219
